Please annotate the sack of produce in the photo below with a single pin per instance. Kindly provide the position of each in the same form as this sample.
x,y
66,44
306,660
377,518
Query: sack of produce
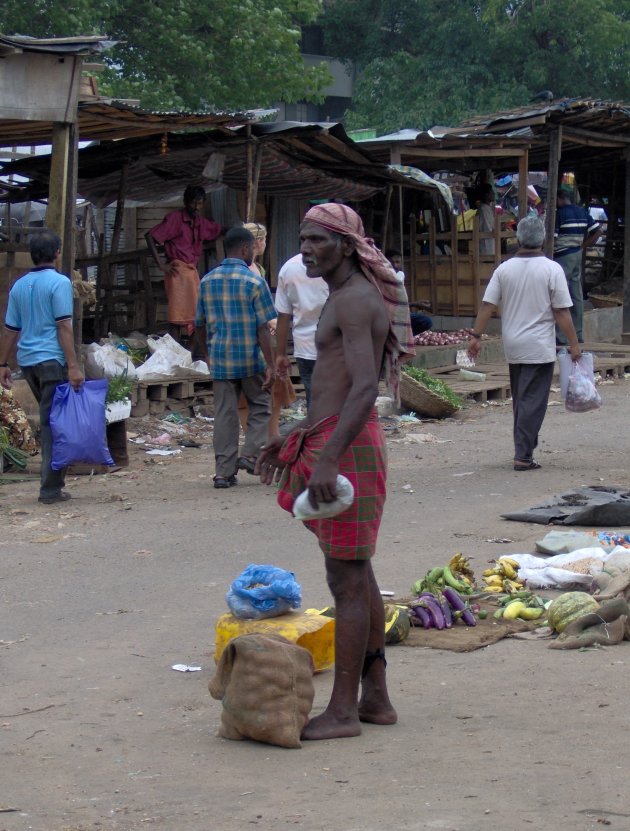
x,y
266,685
568,607
262,591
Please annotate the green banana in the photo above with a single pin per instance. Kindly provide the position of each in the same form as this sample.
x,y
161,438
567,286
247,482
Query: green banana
x,y
454,583
435,574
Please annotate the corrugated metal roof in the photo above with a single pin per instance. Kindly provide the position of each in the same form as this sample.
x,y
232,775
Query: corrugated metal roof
x,y
101,120
593,131
313,161
83,45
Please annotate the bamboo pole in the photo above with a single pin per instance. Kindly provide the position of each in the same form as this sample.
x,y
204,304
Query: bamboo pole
x,y
555,153
523,173
626,250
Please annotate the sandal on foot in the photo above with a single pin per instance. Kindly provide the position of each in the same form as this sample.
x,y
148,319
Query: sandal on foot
x,y
225,481
528,466
246,463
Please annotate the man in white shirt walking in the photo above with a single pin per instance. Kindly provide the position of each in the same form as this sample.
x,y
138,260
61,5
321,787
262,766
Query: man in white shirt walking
x,y
299,301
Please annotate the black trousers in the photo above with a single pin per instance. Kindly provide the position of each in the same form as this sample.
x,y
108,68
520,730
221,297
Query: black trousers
x,y
530,394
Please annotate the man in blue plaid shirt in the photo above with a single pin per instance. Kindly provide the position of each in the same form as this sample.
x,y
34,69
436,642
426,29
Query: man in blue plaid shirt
x,y
233,310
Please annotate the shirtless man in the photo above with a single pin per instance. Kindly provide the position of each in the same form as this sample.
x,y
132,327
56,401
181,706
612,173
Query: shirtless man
x,y
341,434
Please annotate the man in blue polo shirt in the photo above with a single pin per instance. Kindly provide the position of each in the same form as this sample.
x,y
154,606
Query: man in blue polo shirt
x,y
575,230
233,310
39,321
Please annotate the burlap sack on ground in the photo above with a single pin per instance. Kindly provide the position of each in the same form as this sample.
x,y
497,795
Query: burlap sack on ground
x,y
266,685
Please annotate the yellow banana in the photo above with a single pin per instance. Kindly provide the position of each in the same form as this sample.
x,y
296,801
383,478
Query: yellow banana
x,y
493,580
490,571
494,589
507,569
514,563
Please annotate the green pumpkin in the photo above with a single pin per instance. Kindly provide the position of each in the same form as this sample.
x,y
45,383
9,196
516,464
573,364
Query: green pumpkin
x,y
397,623
569,607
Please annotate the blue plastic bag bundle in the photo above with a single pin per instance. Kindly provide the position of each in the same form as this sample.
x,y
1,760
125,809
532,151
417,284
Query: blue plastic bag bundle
x,y
262,592
77,422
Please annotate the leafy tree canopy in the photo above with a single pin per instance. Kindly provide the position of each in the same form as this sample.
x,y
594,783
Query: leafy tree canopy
x,y
427,62
180,54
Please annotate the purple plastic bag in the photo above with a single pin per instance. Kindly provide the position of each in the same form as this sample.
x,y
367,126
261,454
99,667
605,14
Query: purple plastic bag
x,y
77,422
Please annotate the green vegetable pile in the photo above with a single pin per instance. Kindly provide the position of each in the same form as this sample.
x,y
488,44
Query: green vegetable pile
x,y
434,384
119,388
18,458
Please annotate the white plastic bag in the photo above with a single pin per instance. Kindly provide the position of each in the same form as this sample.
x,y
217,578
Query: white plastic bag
x,y
167,356
565,365
106,362
302,508
582,394
555,572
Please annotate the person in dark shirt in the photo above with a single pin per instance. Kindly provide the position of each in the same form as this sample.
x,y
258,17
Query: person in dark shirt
x,y
576,230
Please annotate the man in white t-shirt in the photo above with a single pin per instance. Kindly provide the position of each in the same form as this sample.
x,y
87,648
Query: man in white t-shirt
x,y
299,300
532,292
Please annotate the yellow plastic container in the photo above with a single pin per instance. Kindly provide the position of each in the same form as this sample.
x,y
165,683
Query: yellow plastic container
x,y
312,631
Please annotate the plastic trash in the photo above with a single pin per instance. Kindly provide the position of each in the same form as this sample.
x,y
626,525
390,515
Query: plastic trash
x,y
302,508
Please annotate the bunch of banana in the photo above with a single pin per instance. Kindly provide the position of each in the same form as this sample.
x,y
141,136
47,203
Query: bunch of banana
x,y
503,577
457,574
523,604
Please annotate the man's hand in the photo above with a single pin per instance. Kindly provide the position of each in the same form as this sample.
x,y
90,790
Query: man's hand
x,y
283,365
270,377
474,346
322,486
268,465
6,379
75,377
576,351
169,270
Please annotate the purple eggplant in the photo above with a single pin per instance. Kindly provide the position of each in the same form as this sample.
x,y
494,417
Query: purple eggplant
x,y
468,617
448,615
435,610
459,606
422,616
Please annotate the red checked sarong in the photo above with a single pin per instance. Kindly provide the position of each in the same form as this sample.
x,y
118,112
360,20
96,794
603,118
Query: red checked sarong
x,y
352,534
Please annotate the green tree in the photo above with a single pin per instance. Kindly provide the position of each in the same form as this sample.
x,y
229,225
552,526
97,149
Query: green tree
x,y
208,54
427,62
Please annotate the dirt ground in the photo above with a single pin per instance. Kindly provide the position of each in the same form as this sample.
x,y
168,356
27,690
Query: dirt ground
x,y
102,595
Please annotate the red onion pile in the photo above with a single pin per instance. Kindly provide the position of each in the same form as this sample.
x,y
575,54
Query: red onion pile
x,y
442,338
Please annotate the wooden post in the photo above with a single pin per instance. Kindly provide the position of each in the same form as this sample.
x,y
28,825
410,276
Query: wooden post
x,y
412,256
454,265
433,264
555,153
476,277
252,181
385,231
523,173
60,161
401,226
120,207
626,250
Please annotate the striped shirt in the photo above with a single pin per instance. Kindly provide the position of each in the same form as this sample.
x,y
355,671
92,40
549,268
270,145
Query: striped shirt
x,y
573,225
233,302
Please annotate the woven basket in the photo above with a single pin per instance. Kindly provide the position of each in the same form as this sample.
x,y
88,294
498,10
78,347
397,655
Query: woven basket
x,y
415,396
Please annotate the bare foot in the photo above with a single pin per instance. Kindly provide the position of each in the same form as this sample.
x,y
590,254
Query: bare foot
x,y
386,715
328,726
375,706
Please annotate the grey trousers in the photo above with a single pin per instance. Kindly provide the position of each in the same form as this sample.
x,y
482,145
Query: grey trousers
x,y
43,379
572,267
227,426
530,385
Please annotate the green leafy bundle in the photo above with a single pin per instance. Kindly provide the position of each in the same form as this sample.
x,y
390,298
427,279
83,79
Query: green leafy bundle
x,y
119,388
434,384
